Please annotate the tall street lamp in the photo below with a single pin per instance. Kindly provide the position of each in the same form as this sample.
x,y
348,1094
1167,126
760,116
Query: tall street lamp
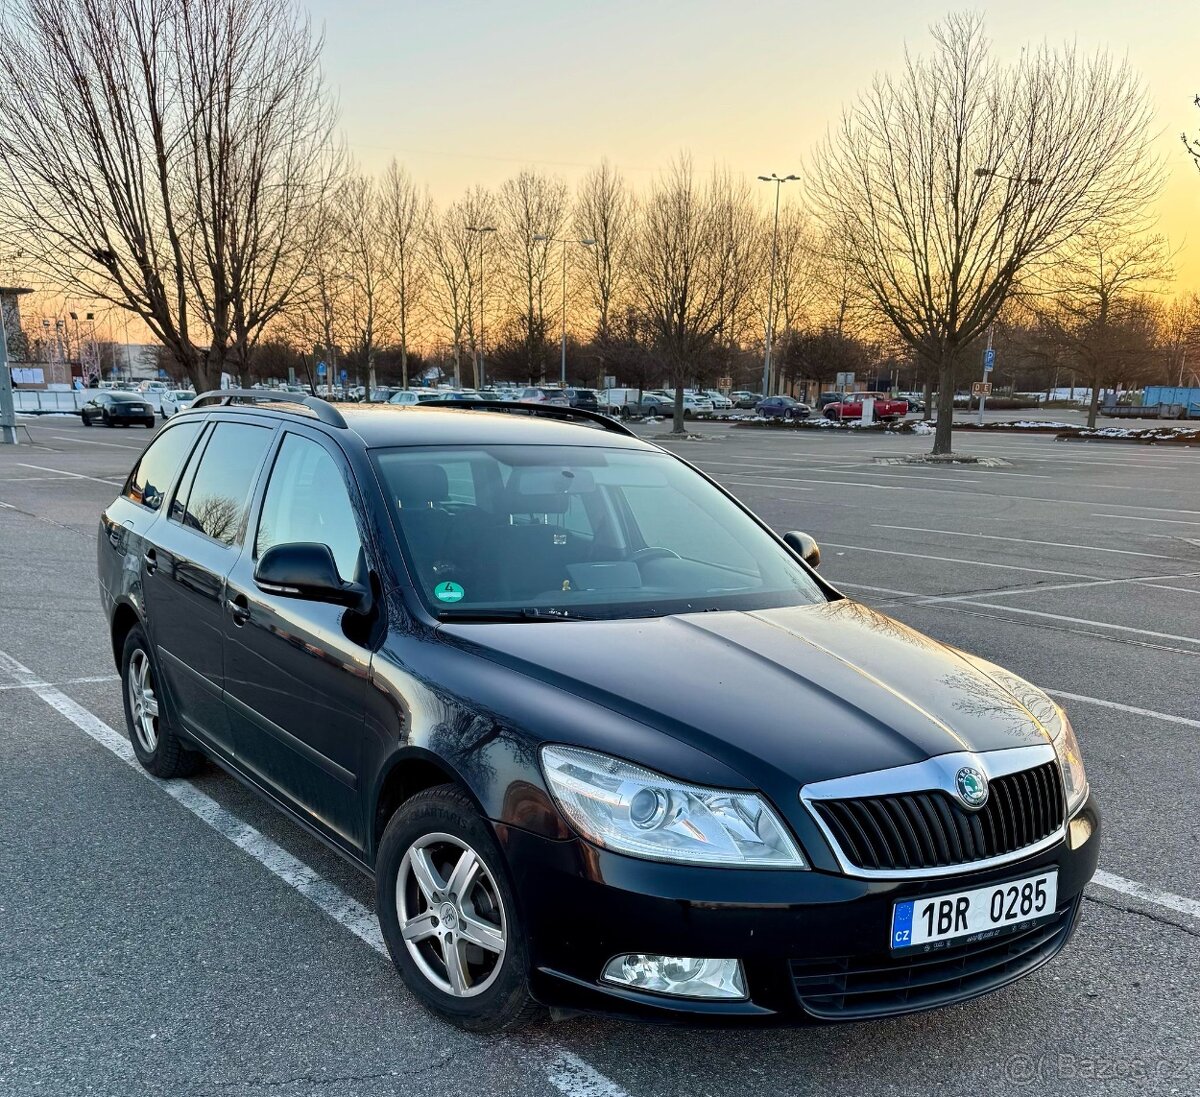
x,y
778,181
587,242
481,230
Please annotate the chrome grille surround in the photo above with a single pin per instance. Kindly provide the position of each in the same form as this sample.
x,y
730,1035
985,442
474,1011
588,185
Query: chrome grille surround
x,y
934,775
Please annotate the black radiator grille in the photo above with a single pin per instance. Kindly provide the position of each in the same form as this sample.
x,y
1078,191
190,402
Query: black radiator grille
x,y
916,830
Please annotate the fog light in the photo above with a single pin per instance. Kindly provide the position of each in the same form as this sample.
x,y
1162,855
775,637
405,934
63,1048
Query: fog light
x,y
683,976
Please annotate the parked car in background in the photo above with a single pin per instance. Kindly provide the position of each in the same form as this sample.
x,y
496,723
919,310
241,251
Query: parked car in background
x,y
408,397
584,399
115,409
694,407
720,401
747,401
545,394
621,401
459,395
655,404
783,407
851,406
914,400
824,399
174,401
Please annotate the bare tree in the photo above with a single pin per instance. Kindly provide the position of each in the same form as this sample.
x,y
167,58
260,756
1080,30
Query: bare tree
x,y
531,205
1098,311
677,273
191,141
360,217
405,214
1179,327
604,213
448,245
949,185
737,258
1192,144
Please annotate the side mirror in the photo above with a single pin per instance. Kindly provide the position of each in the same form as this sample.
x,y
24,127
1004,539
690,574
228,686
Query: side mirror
x,y
306,569
804,546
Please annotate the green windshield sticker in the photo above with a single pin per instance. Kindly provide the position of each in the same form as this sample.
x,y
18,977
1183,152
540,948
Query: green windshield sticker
x,y
448,592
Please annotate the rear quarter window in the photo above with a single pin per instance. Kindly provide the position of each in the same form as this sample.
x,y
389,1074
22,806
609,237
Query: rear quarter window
x,y
154,473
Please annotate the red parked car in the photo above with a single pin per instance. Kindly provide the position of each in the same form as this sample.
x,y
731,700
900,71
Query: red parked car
x,y
850,406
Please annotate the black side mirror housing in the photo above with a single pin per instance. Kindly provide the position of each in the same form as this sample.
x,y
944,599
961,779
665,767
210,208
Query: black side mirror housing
x,y
306,569
804,546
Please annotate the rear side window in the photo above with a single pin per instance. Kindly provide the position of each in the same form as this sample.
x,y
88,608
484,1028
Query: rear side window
x,y
220,489
153,475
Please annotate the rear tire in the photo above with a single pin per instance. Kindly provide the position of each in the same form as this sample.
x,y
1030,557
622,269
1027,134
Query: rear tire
x,y
441,889
155,742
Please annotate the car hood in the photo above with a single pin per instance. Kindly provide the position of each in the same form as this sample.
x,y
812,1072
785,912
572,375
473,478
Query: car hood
x,y
799,694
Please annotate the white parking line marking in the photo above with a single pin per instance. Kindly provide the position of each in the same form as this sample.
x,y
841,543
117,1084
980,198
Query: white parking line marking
x,y
956,560
1025,541
566,1071
1081,621
759,484
63,682
72,475
93,442
973,600
1147,894
836,483
1136,518
1132,709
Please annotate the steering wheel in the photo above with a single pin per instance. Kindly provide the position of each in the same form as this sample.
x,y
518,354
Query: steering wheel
x,y
654,553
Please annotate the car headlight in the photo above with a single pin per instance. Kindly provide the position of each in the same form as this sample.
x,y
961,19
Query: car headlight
x,y
636,811
1070,761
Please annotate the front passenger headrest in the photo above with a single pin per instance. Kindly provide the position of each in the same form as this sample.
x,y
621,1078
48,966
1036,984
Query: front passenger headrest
x,y
421,485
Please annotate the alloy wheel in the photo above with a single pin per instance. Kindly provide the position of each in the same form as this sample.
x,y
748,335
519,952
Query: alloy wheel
x,y
143,702
451,915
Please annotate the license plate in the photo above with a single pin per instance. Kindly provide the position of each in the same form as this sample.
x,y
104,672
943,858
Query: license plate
x,y
980,912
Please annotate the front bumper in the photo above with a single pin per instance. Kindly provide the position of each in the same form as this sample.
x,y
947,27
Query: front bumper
x,y
814,945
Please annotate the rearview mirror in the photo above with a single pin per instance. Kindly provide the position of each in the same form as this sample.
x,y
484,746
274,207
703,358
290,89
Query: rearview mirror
x,y
804,546
306,569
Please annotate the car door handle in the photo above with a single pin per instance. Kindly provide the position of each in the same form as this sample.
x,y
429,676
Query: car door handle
x,y
239,609
150,559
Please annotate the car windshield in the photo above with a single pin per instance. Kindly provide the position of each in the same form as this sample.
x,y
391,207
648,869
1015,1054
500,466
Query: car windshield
x,y
127,398
550,532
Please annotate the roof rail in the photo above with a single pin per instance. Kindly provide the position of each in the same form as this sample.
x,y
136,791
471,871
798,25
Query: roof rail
x,y
549,411
321,409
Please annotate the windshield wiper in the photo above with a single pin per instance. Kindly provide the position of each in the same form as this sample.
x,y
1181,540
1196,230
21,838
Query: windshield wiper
x,y
483,615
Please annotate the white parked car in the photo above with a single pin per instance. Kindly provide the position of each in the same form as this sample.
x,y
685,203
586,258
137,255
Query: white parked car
x,y
720,401
409,397
172,401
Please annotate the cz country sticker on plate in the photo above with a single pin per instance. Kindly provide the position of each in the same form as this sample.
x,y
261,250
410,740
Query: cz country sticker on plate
x,y
979,912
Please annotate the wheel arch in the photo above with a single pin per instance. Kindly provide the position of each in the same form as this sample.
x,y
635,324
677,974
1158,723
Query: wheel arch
x,y
408,772
125,618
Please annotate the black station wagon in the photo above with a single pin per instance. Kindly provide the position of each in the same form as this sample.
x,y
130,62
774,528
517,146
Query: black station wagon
x,y
605,741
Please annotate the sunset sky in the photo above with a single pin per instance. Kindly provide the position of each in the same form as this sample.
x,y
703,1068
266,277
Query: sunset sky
x,y
470,92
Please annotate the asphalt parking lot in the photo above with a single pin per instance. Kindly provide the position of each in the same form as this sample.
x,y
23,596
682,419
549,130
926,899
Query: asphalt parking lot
x,y
185,939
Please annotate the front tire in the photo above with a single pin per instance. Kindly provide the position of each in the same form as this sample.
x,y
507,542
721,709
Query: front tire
x,y
449,916
157,745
